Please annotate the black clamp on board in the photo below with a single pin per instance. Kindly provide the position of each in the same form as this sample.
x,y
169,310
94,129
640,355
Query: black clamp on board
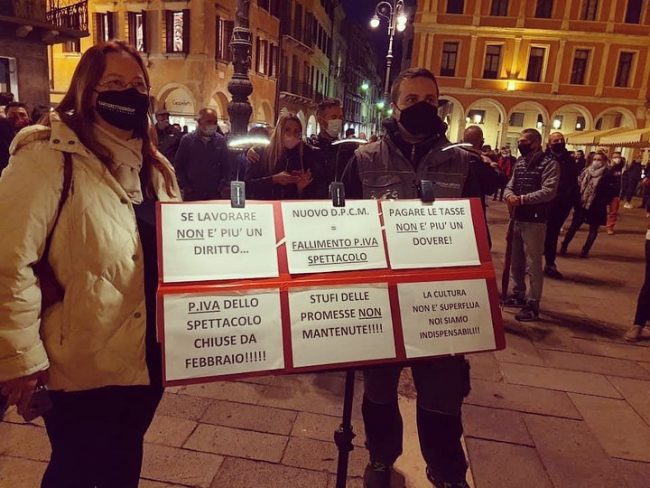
x,y
337,192
426,191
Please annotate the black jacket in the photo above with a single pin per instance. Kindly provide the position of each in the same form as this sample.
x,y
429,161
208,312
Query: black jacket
x,y
568,188
335,157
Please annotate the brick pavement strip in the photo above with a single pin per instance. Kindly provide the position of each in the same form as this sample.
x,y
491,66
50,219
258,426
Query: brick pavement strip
x,y
559,379
20,473
24,441
621,432
637,394
237,442
234,391
321,456
495,424
522,398
595,364
571,454
183,406
246,473
497,464
249,417
484,366
519,350
173,465
614,350
636,475
302,400
169,431
322,427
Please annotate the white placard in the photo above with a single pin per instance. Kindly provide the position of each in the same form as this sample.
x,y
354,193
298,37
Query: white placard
x,y
321,238
446,317
213,241
437,235
341,324
214,334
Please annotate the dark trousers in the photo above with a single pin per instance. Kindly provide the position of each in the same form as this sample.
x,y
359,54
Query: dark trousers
x,y
97,436
576,223
441,385
643,303
556,219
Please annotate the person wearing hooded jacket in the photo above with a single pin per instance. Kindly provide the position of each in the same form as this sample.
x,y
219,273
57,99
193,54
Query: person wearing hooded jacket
x,y
411,151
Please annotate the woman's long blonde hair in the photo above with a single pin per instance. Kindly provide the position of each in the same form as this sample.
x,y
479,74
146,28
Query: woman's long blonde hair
x,y
276,146
77,111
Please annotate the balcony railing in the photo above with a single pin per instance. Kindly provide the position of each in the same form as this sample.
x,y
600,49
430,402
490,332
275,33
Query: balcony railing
x,y
296,87
73,16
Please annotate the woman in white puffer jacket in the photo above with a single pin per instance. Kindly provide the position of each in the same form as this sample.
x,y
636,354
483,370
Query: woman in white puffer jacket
x,y
95,349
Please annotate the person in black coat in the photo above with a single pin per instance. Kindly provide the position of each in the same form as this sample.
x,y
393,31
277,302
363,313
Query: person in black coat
x,y
288,169
629,181
597,189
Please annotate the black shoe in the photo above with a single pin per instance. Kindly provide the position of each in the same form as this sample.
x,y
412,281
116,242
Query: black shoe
x,y
529,313
552,272
446,484
514,301
377,475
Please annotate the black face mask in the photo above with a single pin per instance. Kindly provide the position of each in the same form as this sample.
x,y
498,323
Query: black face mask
x,y
124,109
524,149
558,147
421,119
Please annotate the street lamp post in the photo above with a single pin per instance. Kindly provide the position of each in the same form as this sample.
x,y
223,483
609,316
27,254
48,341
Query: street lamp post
x,y
240,87
393,12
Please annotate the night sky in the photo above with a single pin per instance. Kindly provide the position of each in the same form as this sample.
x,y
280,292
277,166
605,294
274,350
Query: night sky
x,y
360,12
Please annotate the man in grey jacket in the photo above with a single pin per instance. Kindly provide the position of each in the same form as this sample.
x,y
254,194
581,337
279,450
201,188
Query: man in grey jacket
x,y
529,194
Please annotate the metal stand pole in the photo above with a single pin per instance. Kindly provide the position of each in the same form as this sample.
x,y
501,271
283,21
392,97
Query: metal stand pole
x,y
343,437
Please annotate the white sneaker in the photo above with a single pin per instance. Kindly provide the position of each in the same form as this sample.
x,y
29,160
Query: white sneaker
x,y
627,205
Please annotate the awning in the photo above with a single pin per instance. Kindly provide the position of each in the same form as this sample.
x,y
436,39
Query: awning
x,y
629,138
593,137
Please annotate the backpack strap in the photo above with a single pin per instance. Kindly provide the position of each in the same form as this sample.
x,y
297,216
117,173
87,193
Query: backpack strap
x,y
65,192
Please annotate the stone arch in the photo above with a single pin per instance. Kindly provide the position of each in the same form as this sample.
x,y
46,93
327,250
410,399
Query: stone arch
x,y
265,113
533,112
312,126
453,113
540,108
492,127
628,118
303,120
222,105
170,88
573,108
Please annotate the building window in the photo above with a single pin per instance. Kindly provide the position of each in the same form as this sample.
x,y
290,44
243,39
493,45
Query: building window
x,y
633,13
297,23
136,22
544,9
455,6
492,62
262,57
177,31
449,55
579,69
476,116
72,46
104,27
580,123
499,8
273,60
535,64
222,38
624,69
516,119
589,10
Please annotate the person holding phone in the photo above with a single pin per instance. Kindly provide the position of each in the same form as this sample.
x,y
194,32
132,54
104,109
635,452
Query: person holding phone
x,y
287,169
95,348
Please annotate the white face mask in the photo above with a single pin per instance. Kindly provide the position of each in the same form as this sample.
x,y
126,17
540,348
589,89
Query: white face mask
x,y
334,127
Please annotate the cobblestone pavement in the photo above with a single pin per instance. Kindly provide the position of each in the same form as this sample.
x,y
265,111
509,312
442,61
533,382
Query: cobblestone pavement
x,y
567,404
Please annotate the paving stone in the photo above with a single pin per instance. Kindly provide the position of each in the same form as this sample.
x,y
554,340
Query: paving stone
x,y
621,432
235,442
495,424
183,406
233,391
11,416
521,398
24,441
557,339
302,400
505,465
484,366
249,417
636,475
156,484
245,473
20,473
353,482
322,456
571,454
322,427
637,394
169,431
614,350
519,350
559,379
594,364
173,465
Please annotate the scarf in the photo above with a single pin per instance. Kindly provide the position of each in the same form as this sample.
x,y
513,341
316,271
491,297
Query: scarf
x,y
127,162
589,180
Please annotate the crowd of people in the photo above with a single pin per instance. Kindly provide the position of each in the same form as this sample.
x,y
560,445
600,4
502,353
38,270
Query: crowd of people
x,y
95,346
